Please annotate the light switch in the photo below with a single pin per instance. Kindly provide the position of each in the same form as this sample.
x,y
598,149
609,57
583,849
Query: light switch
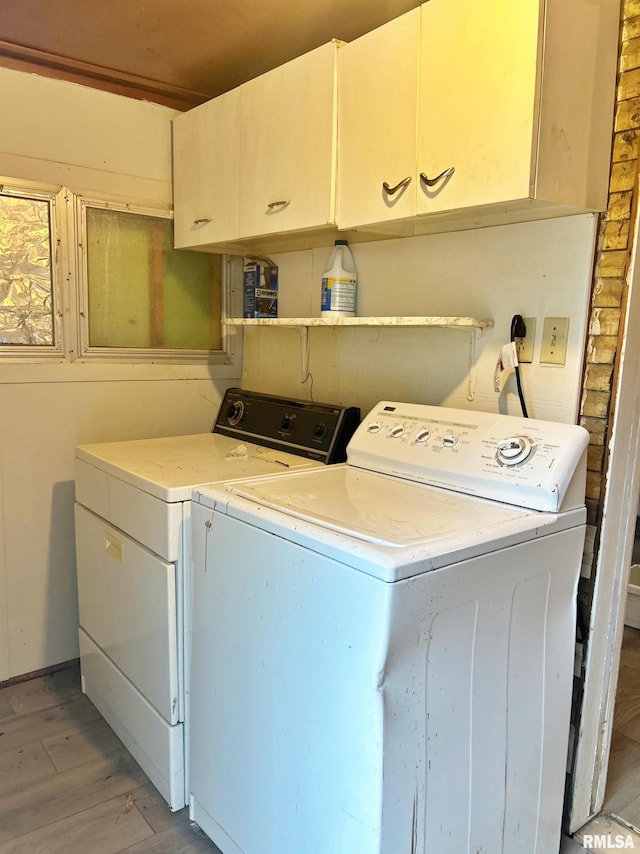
x,y
555,332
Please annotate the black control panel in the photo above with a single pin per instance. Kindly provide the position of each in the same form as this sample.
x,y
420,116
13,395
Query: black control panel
x,y
319,431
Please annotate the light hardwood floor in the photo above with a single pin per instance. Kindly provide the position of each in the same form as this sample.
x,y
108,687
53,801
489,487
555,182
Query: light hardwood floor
x,y
622,797
620,812
570,846
68,786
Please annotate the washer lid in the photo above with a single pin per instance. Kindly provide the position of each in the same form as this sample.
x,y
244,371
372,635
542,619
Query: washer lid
x,y
385,526
376,508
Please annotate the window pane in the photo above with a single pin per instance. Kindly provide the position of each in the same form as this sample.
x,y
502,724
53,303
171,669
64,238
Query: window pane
x,y
26,303
145,294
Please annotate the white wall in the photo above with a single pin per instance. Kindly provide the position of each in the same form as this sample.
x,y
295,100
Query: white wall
x,y
39,429
539,269
66,134
91,142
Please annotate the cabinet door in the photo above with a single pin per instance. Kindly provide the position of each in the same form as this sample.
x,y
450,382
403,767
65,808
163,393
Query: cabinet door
x,y
287,146
206,173
478,101
377,94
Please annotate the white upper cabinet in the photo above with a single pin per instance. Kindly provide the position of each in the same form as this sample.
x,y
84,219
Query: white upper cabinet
x,y
512,113
288,146
260,159
206,173
458,114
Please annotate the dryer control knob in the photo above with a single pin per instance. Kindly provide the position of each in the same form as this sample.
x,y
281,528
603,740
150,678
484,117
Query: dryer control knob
x,y
286,423
235,413
514,450
319,430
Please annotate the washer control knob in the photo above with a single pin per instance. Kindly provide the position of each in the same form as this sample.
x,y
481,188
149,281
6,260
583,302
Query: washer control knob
x,y
287,423
423,436
514,450
319,430
374,427
449,440
235,413
397,432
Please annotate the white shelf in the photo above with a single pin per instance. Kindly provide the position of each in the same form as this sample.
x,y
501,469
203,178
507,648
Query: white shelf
x,y
443,322
302,324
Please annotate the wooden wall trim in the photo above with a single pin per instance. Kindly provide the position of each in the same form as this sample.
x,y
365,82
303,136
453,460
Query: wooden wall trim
x,y
44,671
23,58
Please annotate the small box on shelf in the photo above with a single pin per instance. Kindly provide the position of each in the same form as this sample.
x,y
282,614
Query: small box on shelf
x,y
260,289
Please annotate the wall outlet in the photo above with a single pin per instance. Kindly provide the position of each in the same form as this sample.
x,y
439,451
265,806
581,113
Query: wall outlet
x,y
524,346
555,332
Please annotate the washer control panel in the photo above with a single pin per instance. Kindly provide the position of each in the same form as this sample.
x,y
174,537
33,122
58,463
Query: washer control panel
x,y
522,461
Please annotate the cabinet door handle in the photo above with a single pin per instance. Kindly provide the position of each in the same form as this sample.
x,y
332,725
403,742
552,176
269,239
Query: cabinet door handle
x,y
391,190
202,220
279,204
431,182
112,547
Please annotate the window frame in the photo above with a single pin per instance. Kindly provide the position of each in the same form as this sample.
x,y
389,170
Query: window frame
x,y
55,197
138,355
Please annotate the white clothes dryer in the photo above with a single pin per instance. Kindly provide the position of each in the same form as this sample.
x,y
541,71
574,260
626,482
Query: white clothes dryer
x,y
133,544
382,651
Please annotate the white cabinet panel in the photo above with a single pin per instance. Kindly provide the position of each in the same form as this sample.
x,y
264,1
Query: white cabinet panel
x,y
478,101
206,173
287,146
377,119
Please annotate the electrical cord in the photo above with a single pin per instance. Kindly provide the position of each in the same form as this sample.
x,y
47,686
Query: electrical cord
x,y
519,330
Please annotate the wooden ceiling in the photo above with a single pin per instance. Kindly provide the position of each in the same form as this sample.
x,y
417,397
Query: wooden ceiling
x,y
175,52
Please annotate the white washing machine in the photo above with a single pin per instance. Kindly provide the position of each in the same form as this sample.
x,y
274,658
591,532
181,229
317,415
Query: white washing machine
x,y
133,511
382,651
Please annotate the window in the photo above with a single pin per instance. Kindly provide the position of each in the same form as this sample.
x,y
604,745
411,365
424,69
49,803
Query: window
x,y
140,293
28,296
96,281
